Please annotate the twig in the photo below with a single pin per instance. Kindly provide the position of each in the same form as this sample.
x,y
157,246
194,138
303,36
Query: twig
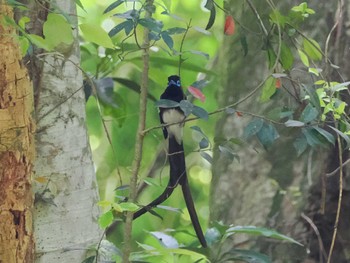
x,y
340,197
336,170
319,238
181,45
139,139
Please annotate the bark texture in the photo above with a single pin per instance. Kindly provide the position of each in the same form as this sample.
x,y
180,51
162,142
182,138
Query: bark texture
x,y
274,188
16,149
66,193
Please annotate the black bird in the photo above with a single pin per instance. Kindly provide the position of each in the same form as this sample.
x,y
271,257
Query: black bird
x,y
176,155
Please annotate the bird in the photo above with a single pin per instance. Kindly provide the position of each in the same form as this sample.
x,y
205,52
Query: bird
x,y
176,156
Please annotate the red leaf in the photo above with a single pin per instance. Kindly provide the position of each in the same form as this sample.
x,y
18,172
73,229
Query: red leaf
x,y
196,93
278,83
239,114
229,26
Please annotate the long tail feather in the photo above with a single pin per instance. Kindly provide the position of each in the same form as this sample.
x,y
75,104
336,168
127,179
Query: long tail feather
x,y
160,199
178,175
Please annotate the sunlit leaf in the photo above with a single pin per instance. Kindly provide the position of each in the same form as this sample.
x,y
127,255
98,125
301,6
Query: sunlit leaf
x,y
165,240
105,219
303,57
96,34
312,49
127,206
268,89
287,58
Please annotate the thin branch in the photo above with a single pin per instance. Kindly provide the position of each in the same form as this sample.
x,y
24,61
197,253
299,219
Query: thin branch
x,y
340,197
181,45
323,253
139,139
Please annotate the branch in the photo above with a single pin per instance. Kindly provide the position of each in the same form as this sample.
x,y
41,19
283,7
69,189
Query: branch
x,y
139,138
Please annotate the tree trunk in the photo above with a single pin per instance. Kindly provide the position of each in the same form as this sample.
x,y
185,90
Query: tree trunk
x,y
66,192
272,188
16,149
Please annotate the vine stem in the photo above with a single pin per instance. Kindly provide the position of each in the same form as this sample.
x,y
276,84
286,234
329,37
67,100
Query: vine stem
x,y
340,197
139,138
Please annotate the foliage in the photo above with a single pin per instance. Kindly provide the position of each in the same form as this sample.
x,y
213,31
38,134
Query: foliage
x,y
111,63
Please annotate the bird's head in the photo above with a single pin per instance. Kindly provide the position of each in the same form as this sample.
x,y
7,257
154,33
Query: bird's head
x,y
174,80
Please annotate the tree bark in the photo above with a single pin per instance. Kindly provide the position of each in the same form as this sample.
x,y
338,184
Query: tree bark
x,y
16,149
66,192
273,188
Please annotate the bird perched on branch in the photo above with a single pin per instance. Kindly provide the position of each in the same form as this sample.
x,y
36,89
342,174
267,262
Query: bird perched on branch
x,y
176,156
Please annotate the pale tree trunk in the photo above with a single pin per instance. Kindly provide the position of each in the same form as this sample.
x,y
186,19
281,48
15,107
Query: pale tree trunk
x,y
16,149
66,212
275,188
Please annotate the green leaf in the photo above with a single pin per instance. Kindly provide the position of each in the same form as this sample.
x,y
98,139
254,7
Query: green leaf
x,y
200,53
78,2
303,57
89,260
227,151
287,58
151,24
311,136
309,114
39,42
57,25
271,56
176,30
127,206
268,89
163,103
207,157
134,86
341,134
293,123
200,112
328,136
127,25
167,39
165,240
97,35
312,49
186,107
249,256
244,44
277,18
113,6
260,231
201,30
267,135
211,7
253,127
105,219
340,86
300,145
